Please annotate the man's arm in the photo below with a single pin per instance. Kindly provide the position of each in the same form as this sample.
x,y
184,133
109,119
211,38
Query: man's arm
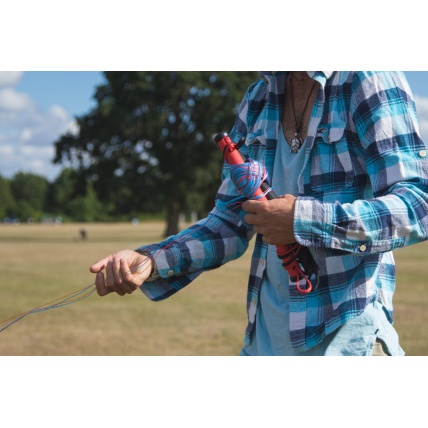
x,y
396,162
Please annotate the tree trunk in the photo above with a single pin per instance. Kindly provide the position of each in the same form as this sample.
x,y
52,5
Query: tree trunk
x,y
172,220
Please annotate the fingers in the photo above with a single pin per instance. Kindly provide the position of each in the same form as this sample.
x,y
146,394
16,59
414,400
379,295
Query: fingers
x,y
251,206
105,286
250,218
125,271
130,283
127,276
102,288
111,281
119,277
114,280
100,265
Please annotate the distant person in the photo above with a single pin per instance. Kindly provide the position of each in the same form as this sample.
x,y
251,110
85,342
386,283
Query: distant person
x,y
344,151
83,234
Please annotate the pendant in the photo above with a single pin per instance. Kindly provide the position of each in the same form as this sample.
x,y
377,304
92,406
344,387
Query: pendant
x,y
296,143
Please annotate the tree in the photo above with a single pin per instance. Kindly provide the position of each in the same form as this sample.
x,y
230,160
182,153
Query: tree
x,y
6,198
150,136
30,193
87,208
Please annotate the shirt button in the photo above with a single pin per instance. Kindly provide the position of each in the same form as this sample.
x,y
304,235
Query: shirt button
x,y
363,248
423,153
170,272
262,262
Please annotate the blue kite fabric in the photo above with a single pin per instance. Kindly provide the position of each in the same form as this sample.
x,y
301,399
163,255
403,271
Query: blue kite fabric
x,y
363,192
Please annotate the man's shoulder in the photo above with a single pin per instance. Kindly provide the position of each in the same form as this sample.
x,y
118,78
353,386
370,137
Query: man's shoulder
x,y
257,91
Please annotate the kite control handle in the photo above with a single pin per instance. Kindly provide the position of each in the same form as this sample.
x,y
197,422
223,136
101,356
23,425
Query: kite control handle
x,y
287,253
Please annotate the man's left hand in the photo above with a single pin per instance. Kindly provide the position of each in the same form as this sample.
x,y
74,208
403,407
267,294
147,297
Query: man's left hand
x,y
273,219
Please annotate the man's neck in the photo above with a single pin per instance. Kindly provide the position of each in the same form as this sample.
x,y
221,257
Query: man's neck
x,y
299,75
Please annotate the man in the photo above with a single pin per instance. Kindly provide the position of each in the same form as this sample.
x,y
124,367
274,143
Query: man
x,y
343,150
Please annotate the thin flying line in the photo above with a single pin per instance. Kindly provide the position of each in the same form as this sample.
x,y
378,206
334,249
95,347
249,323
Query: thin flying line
x,y
87,291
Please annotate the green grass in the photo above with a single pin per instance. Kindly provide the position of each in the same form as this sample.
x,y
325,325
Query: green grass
x,y
41,263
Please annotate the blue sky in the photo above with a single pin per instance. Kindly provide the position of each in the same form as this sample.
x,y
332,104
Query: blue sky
x,y
418,81
70,89
37,107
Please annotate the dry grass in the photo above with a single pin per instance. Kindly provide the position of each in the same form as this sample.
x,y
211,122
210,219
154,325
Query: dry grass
x,y
411,298
41,263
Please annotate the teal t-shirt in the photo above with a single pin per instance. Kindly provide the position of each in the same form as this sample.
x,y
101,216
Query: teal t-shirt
x,y
271,332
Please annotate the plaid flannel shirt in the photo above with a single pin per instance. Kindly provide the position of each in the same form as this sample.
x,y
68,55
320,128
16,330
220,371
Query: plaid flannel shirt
x,y
362,193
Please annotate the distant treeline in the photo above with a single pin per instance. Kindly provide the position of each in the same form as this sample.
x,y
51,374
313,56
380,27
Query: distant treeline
x,y
32,198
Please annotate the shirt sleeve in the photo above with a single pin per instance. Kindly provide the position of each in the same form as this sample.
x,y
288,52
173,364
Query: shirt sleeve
x,y
384,115
221,237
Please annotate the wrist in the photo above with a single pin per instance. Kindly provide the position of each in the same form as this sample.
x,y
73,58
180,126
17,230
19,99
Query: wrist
x,y
154,273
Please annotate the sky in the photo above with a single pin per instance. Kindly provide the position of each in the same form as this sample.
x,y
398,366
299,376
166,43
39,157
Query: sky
x,y
37,107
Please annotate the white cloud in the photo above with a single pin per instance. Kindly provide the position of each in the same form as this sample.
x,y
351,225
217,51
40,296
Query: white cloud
x,y
422,109
10,78
27,132
72,127
58,111
6,150
30,159
11,100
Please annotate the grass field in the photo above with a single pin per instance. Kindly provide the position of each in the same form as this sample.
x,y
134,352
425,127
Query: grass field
x,y
40,263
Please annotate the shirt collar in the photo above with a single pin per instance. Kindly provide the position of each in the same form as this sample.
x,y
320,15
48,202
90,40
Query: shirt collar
x,y
320,76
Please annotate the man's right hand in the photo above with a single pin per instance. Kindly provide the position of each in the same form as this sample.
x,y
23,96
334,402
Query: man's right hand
x,y
125,271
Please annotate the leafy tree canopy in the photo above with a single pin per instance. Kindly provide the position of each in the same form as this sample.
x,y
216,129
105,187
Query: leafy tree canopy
x,y
147,145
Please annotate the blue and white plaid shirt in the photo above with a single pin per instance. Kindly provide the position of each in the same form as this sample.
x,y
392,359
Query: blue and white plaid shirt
x,y
363,192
